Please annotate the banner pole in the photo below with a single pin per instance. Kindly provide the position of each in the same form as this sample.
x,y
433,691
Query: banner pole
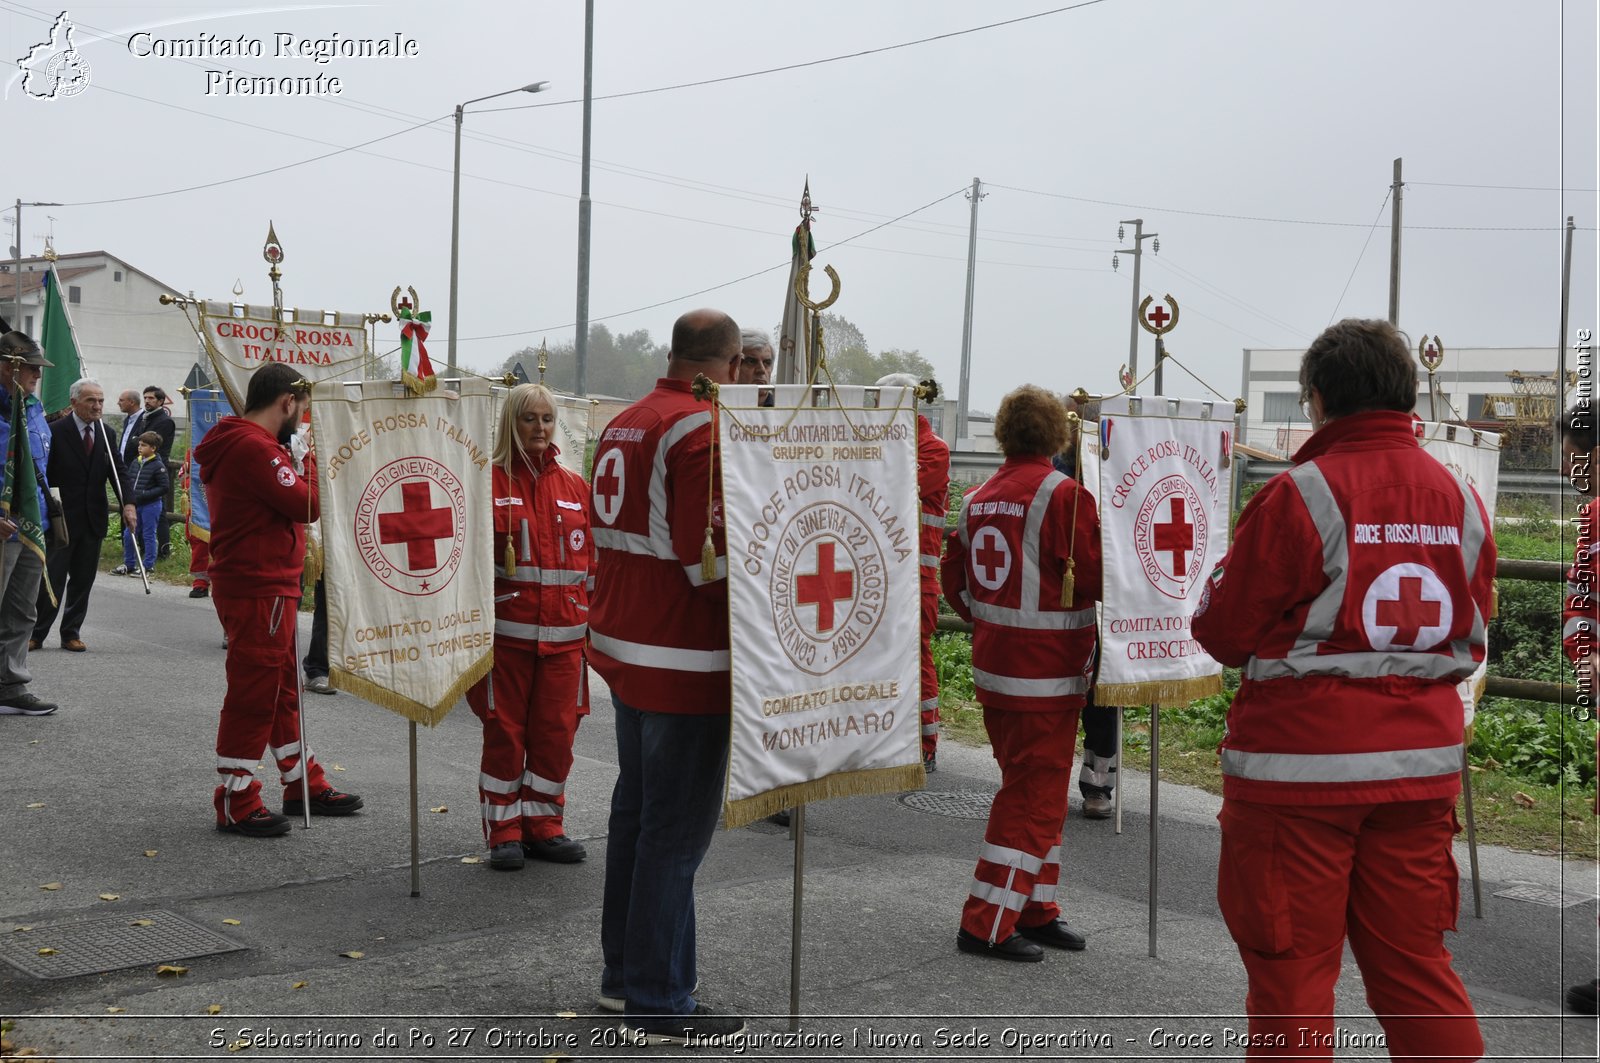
x,y
797,831
1116,794
1472,836
1155,813
300,694
416,869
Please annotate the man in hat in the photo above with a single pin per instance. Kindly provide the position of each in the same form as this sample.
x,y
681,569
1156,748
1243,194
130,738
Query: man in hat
x,y
20,363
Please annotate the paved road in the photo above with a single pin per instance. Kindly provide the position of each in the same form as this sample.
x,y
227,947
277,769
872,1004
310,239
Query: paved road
x,y
126,767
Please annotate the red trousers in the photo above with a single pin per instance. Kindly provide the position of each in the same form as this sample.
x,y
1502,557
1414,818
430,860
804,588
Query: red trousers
x,y
528,727
1295,880
930,672
1020,866
199,561
261,710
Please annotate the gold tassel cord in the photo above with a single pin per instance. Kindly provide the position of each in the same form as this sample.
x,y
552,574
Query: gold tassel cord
x,y
1069,577
708,552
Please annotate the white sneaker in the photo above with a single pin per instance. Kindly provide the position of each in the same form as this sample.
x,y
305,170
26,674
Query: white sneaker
x,y
318,684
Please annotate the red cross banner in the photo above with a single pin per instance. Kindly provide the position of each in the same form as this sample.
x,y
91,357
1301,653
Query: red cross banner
x,y
1474,457
1163,486
407,520
321,345
820,506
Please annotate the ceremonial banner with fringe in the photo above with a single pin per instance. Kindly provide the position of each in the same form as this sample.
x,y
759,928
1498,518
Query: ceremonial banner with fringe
x,y
407,515
1474,457
572,432
822,526
321,345
207,406
1165,479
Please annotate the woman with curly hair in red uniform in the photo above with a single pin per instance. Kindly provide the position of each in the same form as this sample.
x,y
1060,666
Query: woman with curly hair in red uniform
x,y
531,702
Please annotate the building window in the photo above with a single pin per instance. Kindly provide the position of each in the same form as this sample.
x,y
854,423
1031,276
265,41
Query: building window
x,y
27,324
74,294
116,275
1283,407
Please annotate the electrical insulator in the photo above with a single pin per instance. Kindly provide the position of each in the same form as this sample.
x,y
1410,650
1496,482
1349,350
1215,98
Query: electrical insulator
x,y
1114,263
1119,232
1155,245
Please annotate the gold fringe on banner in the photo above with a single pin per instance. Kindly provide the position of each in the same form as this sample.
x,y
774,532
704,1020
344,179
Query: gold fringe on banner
x,y
414,711
861,783
1171,693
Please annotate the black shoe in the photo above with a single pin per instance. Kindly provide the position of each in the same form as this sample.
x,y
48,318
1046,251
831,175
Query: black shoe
x,y
1056,934
1014,948
558,850
258,824
930,763
26,704
329,802
781,818
507,856
199,592
704,1028
1584,999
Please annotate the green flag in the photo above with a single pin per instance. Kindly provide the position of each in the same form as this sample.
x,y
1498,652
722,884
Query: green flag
x,y
60,345
19,493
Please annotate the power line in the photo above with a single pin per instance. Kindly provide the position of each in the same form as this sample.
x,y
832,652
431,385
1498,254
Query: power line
x,y
1370,230
1505,188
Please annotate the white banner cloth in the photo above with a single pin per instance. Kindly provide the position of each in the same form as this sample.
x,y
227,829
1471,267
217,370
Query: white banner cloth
x,y
1164,493
407,523
320,345
822,538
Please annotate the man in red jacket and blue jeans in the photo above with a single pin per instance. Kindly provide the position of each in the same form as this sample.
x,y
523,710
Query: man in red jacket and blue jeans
x,y
1354,599
260,506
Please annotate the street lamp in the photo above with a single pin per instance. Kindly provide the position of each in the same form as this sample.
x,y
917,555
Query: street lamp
x,y
16,263
455,208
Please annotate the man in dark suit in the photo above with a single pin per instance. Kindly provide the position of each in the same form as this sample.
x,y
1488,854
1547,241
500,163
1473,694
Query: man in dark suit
x,y
128,435
80,468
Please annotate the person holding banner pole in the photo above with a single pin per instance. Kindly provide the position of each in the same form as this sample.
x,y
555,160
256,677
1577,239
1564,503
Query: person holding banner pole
x,y
1023,565
259,509
1355,598
23,552
531,703
658,634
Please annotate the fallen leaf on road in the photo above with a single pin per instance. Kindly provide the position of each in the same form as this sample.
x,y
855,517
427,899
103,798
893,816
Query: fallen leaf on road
x,y
143,922
238,1046
1523,799
47,951
441,808
37,804
566,1015
353,955
230,922
21,929
213,1009
151,852
114,1010
337,767
111,896
51,886
470,860
299,985
171,970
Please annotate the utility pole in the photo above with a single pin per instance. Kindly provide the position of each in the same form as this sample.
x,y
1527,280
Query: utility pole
x,y
1561,350
975,195
16,265
581,345
1396,191
1137,251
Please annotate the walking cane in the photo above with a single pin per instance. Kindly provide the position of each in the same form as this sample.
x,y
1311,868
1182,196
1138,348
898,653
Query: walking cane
x,y
116,480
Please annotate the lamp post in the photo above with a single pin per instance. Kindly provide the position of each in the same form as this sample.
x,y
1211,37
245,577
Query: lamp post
x,y
16,263
455,209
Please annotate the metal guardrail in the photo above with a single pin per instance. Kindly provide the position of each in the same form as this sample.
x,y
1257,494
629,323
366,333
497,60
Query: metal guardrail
x,y
1496,686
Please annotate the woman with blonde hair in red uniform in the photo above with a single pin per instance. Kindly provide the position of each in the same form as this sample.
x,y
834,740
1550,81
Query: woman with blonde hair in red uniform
x,y
530,704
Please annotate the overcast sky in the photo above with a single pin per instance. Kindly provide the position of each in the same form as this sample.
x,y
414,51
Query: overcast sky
x,y
1256,138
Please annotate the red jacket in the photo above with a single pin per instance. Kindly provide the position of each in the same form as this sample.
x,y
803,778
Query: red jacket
x,y
259,510
1003,568
933,491
542,601
1355,598
658,631
1580,617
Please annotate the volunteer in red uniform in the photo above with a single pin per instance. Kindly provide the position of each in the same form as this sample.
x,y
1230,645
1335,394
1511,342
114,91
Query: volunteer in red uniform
x,y
531,703
1354,598
1023,564
1580,627
933,497
259,508
658,633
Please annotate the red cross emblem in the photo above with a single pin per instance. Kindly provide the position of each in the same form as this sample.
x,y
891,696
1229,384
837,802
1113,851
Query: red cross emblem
x,y
1159,316
1409,613
609,486
825,586
991,558
1176,536
1406,608
418,525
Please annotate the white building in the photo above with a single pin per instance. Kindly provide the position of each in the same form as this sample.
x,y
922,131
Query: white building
x,y
126,338
1473,384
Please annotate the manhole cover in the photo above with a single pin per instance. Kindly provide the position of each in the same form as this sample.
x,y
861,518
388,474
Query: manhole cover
x,y
1548,898
957,804
93,946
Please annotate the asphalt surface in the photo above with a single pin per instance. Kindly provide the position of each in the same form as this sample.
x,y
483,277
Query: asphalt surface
x,y
489,964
